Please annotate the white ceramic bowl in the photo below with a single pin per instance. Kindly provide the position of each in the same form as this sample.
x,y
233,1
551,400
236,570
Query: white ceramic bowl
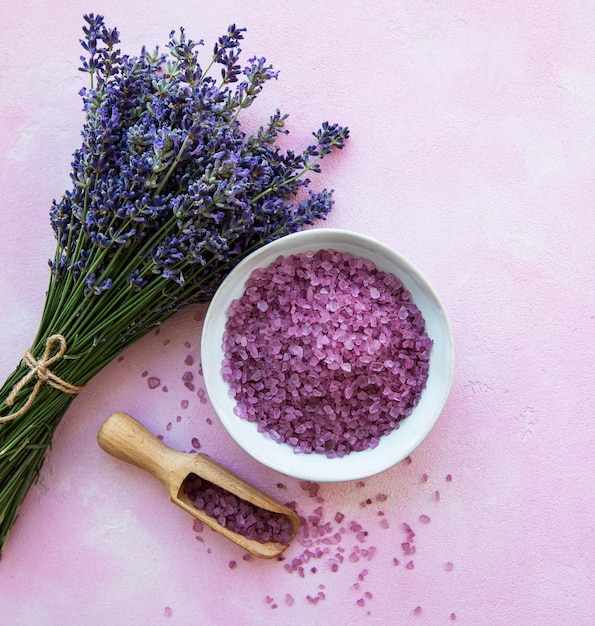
x,y
392,448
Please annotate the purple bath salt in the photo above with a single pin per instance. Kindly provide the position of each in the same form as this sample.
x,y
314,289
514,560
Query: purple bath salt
x,y
237,514
324,352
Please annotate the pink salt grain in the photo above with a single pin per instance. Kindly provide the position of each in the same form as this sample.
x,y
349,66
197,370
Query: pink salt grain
x,y
153,382
237,514
424,519
336,341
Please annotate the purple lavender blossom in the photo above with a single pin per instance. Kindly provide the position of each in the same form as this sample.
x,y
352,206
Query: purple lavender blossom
x,y
165,168
167,194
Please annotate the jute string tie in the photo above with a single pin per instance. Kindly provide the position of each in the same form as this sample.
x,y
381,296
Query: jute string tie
x,y
40,369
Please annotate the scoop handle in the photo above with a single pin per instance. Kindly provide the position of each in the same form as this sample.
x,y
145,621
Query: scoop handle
x,y
128,440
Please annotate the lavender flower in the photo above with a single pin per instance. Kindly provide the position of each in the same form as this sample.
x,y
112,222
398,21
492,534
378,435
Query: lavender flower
x,y
167,194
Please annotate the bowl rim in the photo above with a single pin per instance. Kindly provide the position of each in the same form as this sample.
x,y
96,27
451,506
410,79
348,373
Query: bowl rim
x,y
337,469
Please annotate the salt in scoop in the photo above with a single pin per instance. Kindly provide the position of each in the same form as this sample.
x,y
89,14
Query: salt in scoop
x,y
126,439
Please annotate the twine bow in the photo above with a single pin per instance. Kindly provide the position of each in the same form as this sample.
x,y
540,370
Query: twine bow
x,y
40,369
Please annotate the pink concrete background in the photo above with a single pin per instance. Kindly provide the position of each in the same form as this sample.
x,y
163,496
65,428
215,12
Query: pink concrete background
x,y
472,153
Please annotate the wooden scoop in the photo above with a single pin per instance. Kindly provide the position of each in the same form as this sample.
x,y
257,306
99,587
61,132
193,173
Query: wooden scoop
x,y
126,439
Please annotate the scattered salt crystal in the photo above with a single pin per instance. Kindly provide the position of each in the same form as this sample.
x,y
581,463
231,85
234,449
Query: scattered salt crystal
x,y
168,612
417,611
424,519
409,565
448,566
448,478
154,382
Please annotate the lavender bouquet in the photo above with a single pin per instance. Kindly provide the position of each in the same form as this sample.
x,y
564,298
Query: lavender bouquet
x,y
168,194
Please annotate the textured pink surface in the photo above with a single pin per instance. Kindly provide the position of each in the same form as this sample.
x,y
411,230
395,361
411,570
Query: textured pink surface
x,y
472,153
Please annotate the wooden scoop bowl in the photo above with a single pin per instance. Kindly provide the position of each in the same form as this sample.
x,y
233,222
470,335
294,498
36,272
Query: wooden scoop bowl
x,y
126,439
